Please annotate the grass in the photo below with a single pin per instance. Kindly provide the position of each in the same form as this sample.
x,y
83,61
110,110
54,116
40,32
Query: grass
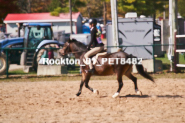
x,y
20,72
166,62
75,70
182,58
68,78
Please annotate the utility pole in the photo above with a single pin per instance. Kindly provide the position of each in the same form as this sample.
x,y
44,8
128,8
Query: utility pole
x,y
114,25
105,13
173,29
164,13
70,11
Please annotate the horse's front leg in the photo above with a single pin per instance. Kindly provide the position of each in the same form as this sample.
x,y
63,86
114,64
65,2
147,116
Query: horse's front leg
x,y
91,89
85,78
81,84
120,85
80,90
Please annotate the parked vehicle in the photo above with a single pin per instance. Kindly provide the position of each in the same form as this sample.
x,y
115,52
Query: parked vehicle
x,y
36,37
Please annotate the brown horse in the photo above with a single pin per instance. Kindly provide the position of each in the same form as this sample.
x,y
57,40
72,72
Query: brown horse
x,y
79,49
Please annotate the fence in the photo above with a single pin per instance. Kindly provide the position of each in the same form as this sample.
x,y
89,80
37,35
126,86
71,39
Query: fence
x,y
6,50
177,51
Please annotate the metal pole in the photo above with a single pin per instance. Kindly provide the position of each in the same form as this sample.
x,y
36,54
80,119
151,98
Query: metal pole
x,y
70,11
114,24
7,63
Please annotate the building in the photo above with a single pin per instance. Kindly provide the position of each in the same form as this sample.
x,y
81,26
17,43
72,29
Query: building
x,y
61,22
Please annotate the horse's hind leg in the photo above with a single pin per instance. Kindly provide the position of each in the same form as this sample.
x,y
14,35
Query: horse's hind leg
x,y
120,84
134,79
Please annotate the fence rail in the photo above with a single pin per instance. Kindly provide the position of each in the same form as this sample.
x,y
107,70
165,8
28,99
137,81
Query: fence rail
x,y
178,51
6,50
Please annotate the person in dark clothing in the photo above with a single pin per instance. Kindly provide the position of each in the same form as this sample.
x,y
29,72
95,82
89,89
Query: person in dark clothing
x,y
98,45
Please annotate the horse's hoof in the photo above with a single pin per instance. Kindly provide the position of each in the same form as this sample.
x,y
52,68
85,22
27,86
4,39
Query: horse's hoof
x,y
78,94
96,91
115,95
139,93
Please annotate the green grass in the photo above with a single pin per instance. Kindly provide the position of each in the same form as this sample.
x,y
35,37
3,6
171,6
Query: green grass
x,y
166,62
182,58
69,78
20,72
164,59
75,70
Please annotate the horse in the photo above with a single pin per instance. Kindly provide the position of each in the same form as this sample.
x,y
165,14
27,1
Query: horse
x,y
79,49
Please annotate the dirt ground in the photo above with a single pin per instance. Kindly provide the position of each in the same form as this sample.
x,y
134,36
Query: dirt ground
x,y
55,102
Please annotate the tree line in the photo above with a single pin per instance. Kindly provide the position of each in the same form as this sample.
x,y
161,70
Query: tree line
x,y
88,8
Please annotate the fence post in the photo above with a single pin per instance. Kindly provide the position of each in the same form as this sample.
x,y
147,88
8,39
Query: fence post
x,y
7,63
175,54
154,57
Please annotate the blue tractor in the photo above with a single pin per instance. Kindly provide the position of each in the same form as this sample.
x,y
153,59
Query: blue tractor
x,y
36,37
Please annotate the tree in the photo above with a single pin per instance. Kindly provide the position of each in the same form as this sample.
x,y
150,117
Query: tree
x,y
64,8
33,6
92,8
24,6
40,6
54,4
59,10
181,8
7,6
142,7
76,4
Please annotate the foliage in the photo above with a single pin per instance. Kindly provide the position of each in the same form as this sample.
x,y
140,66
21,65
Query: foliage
x,y
94,8
88,8
55,9
7,6
76,4
181,8
39,6
54,4
59,10
31,6
24,6
142,7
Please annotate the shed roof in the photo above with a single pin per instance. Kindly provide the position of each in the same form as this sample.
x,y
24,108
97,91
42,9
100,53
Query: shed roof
x,y
40,17
37,24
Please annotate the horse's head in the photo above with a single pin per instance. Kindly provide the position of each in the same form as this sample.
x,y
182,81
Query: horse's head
x,y
66,48
72,46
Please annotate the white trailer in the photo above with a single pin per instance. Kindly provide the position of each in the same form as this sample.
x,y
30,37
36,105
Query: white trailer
x,y
136,31
84,38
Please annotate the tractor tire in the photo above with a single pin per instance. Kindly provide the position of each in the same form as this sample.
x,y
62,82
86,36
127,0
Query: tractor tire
x,y
39,54
3,64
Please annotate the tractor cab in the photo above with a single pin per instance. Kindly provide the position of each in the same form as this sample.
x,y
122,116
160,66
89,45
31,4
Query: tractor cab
x,y
36,37
35,33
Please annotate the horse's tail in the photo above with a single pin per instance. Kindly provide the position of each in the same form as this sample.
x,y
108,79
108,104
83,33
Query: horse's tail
x,y
141,71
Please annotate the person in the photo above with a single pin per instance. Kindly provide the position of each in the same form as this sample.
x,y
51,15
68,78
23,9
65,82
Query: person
x,y
98,45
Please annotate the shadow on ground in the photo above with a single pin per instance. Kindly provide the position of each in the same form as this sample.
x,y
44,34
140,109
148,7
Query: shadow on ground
x,y
149,96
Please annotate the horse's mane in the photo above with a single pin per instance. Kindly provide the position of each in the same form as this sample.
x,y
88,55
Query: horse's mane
x,y
79,45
